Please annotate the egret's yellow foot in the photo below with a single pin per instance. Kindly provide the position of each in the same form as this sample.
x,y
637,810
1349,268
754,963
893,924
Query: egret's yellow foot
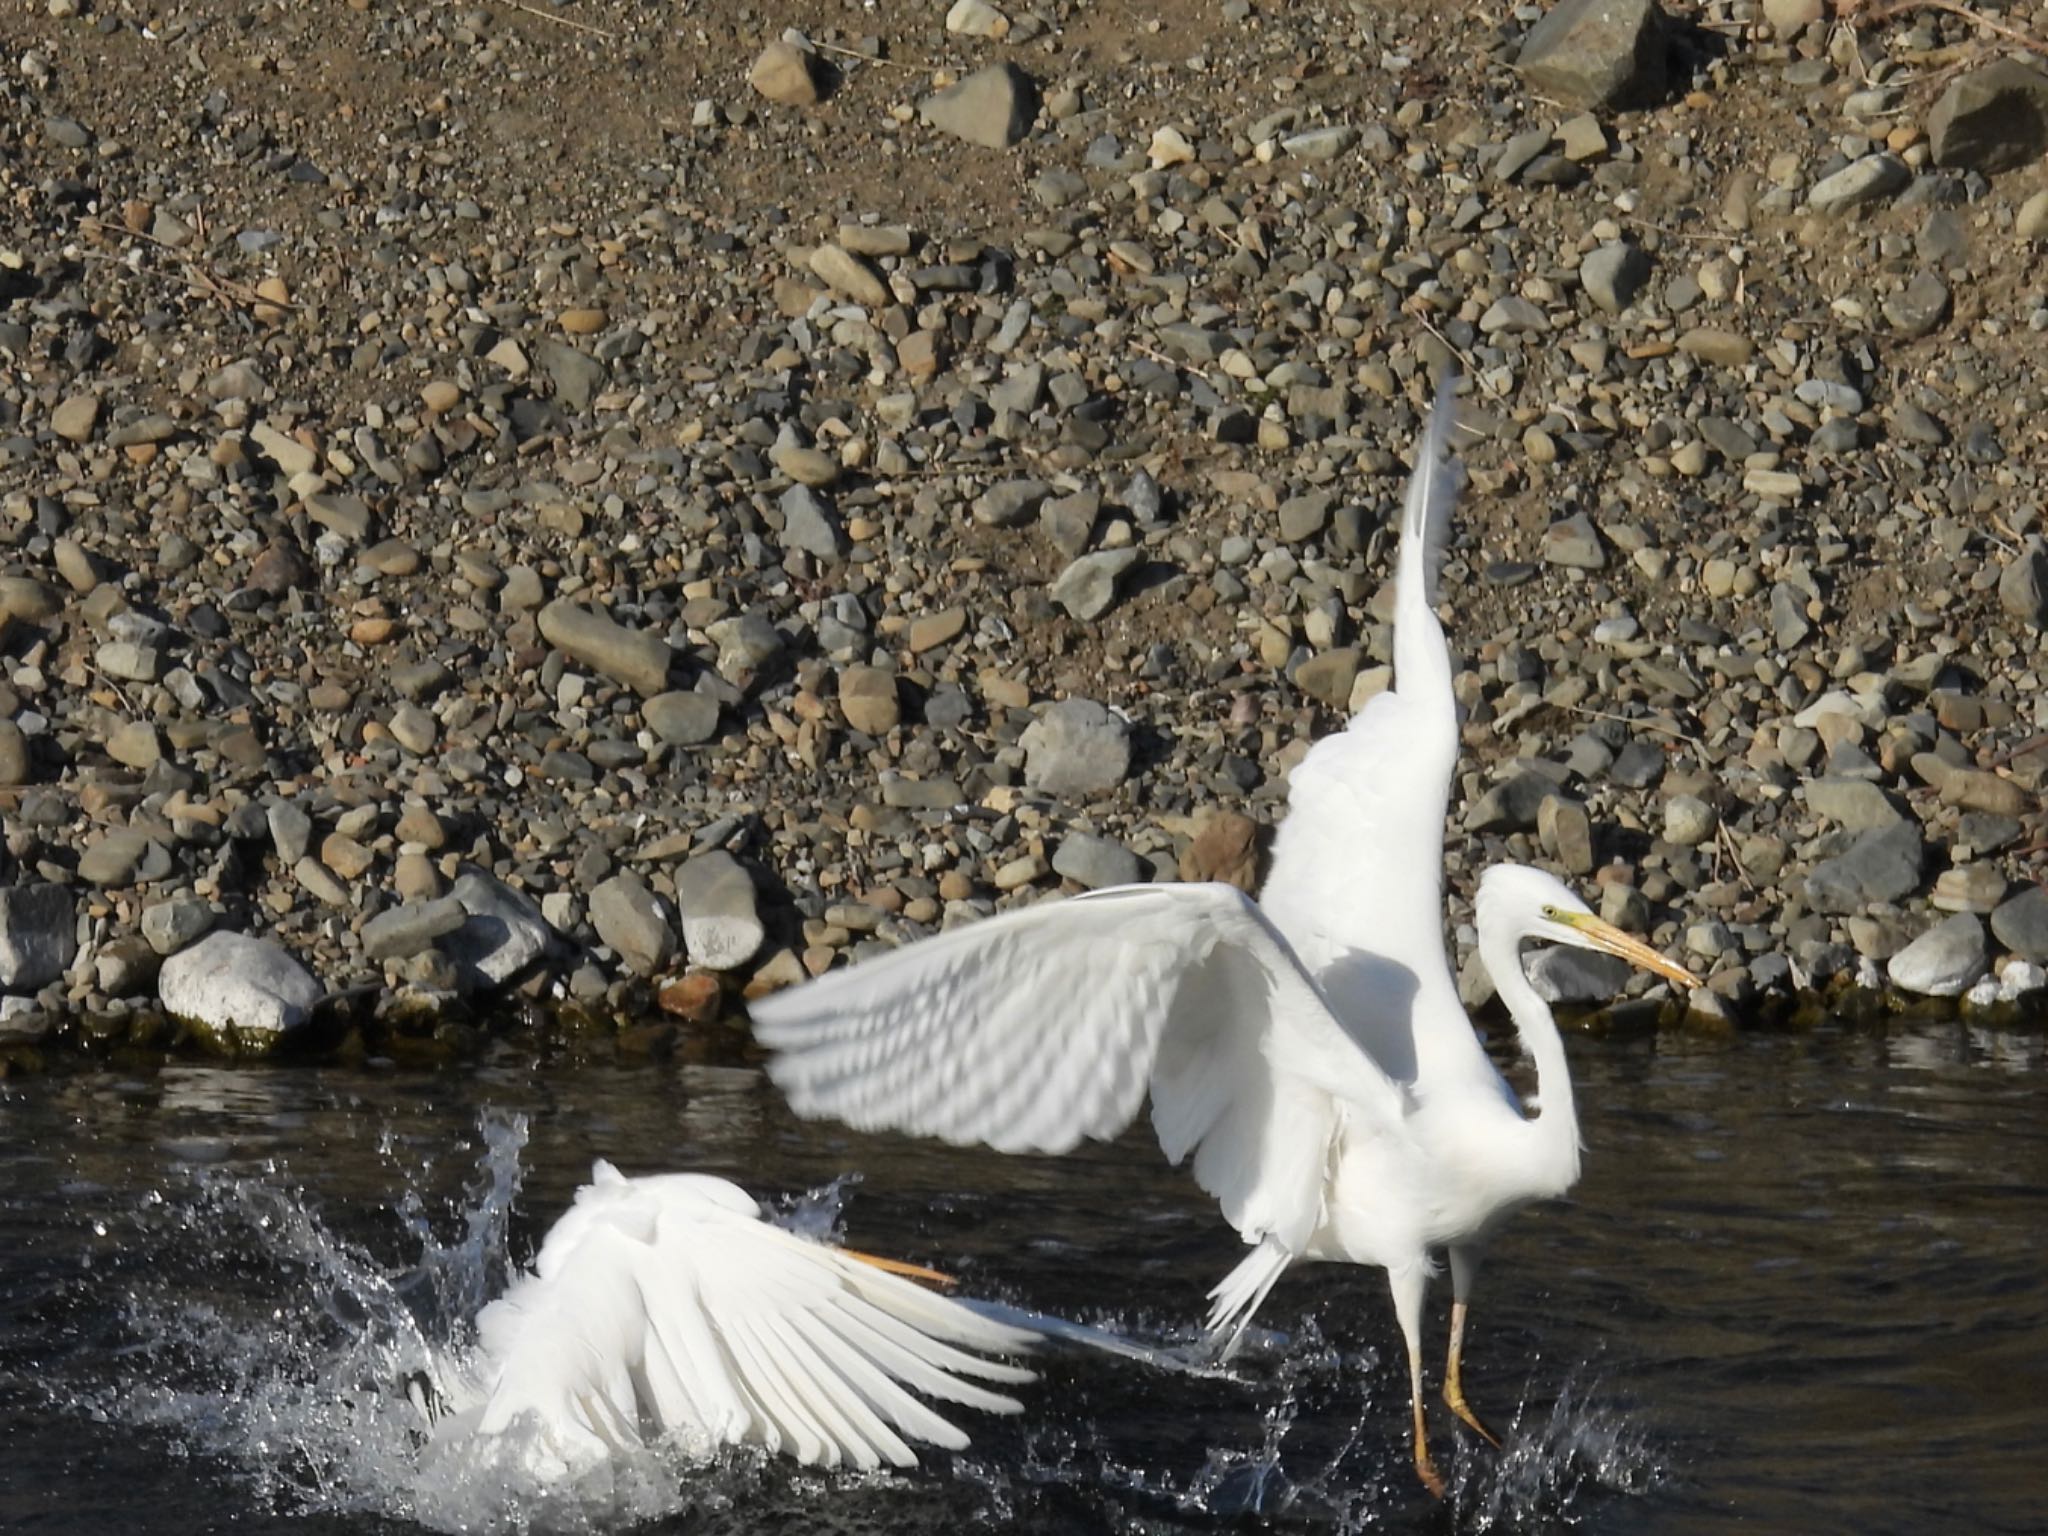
x,y
898,1267
1454,1379
1424,1467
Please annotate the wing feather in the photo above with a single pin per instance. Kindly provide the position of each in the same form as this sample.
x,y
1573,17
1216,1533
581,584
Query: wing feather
x,y
1040,1028
668,1306
1356,882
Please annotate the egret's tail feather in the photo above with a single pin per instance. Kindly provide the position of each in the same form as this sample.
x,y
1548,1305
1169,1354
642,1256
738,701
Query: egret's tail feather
x,y
1181,1359
1238,1294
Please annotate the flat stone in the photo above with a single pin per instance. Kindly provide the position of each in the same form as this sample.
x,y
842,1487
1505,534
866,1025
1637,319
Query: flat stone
x,y
1567,832
1920,307
1856,804
868,699
1944,961
636,658
1869,180
1614,274
2023,585
1076,747
1973,887
176,924
787,75
2021,924
1689,820
74,419
28,601
1010,503
810,524
1724,349
1992,119
115,858
992,107
38,935
1883,865
16,762
1327,676
718,904
1096,862
399,933
1574,542
629,918
1510,806
1087,588
503,933
1561,974
291,456
1597,54
849,276
1225,848
239,990
682,719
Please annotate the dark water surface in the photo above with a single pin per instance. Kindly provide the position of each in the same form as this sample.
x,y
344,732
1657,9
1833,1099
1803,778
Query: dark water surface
x,y
1800,1288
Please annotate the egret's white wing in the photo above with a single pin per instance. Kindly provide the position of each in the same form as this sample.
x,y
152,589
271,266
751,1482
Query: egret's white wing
x,y
1041,1027
1357,877
667,1306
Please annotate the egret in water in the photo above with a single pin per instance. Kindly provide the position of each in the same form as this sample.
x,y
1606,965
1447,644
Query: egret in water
x,y
1309,1050
667,1307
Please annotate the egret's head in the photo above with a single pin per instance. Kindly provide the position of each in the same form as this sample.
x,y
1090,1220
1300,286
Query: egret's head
x,y
1541,909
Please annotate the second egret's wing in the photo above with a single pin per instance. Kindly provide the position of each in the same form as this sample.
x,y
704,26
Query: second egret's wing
x,y
666,1306
1038,1028
1357,877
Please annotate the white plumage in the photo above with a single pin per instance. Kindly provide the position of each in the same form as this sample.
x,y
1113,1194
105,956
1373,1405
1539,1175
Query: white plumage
x,y
1308,1052
666,1307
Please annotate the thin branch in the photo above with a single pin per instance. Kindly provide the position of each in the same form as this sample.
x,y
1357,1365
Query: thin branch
x,y
2010,34
563,21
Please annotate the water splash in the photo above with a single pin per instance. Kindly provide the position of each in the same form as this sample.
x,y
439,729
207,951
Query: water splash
x,y
284,1350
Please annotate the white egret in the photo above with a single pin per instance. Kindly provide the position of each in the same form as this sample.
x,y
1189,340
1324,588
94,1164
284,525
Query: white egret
x,y
667,1307
1309,1051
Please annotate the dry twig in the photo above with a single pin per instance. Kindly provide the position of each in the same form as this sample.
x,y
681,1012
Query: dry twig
x,y
564,21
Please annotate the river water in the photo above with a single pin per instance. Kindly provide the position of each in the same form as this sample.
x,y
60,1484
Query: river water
x,y
1800,1287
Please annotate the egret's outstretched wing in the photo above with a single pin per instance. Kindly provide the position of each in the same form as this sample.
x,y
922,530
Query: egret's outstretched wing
x,y
1041,1027
1357,878
667,1306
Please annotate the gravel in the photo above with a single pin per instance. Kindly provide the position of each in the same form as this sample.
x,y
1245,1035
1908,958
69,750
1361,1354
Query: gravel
x,y
821,489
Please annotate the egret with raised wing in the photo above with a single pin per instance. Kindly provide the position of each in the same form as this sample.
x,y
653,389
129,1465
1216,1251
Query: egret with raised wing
x,y
667,1308
1307,1051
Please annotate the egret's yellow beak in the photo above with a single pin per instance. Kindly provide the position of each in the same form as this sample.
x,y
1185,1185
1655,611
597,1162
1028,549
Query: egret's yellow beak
x,y
909,1271
1610,940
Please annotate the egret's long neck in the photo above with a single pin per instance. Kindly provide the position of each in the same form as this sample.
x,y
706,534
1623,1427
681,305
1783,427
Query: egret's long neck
x,y
1554,1129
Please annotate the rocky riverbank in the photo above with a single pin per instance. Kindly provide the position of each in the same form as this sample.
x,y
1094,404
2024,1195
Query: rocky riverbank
x,y
593,509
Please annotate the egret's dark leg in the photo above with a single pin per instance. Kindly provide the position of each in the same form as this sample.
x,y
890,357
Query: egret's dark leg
x,y
1409,1286
1464,1269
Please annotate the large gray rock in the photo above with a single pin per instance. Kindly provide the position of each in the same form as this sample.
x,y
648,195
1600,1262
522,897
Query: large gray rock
x,y
721,925
1076,747
2022,924
1857,804
239,990
1096,861
628,917
503,933
992,107
1882,866
401,932
1943,961
2023,585
1597,53
1869,180
810,524
634,657
1087,587
1614,274
682,719
172,925
578,376
1992,119
38,935
1561,974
